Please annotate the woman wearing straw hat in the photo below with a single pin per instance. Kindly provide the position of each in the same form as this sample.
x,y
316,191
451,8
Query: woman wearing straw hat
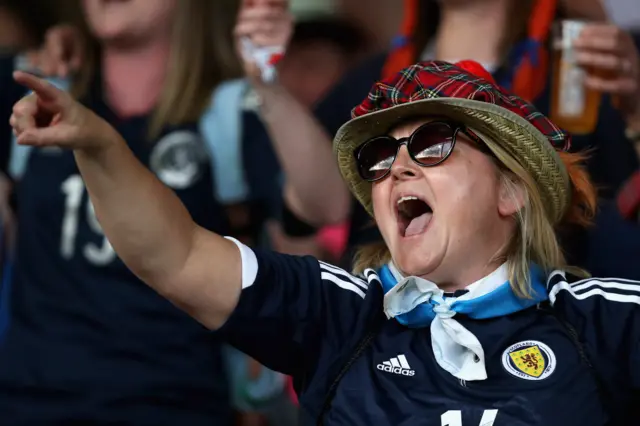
x,y
512,39
448,323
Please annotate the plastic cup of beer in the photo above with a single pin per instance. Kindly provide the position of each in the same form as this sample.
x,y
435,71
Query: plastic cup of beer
x,y
574,107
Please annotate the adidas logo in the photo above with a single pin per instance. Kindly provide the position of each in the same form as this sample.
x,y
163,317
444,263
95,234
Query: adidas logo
x,y
397,365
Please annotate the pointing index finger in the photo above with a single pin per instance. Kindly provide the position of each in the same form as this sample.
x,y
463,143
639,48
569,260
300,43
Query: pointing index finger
x,y
43,89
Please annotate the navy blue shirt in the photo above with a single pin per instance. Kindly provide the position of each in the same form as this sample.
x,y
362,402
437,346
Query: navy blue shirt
x,y
305,318
87,341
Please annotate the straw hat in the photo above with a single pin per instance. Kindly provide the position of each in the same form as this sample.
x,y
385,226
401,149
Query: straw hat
x,y
466,93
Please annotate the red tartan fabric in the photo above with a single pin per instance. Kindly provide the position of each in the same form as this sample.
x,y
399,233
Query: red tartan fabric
x,y
472,67
437,79
629,197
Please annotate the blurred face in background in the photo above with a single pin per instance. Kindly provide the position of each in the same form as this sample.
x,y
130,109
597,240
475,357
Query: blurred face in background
x,y
309,70
129,22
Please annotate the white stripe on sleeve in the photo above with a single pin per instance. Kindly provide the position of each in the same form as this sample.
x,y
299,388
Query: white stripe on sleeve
x,y
343,274
249,263
347,285
629,291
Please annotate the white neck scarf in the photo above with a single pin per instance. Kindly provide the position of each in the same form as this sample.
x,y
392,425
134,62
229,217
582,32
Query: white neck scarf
x,y
417,302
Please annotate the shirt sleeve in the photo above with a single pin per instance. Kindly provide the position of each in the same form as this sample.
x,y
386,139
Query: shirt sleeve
x,y
606,315
289,307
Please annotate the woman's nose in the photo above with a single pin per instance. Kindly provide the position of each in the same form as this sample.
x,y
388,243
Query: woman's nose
x,y
404,167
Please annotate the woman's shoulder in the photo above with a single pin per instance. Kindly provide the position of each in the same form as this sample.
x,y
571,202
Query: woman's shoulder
x,y
603,314
604,310
559,280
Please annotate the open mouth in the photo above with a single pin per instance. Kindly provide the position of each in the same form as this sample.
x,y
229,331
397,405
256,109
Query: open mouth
x,y
414,215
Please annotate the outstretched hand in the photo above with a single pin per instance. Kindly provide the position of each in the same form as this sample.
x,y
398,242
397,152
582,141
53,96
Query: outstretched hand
x,y
51,117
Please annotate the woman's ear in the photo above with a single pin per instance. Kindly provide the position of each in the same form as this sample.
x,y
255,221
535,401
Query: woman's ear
x,y
512,197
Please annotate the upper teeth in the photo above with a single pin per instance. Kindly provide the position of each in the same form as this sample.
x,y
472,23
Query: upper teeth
x,y
408,198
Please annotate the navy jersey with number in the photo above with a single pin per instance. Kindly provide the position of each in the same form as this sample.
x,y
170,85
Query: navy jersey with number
x,y
87,342
305,318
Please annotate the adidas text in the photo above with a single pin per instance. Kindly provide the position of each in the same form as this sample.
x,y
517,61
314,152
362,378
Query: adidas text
x,y
397,365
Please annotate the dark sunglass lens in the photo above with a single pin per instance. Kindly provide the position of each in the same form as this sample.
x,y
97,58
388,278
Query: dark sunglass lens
x,y
376,157
432,143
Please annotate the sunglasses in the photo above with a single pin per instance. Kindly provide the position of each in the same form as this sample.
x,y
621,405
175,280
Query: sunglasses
x,y
429,145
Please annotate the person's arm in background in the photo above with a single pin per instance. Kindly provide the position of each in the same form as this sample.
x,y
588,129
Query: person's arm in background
x,y
332,112
315,190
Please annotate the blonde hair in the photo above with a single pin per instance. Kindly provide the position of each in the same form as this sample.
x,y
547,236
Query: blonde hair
x,y
202,56
535,239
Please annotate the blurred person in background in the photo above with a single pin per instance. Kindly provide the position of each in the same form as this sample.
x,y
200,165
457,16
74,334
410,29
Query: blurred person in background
x,y
87,342
614,244
380,19
509,38
321,51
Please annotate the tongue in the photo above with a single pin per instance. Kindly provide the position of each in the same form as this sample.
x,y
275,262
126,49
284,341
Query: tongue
x,y
418,225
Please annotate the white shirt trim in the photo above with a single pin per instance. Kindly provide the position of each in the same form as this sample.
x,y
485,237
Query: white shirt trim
x,y
249,263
